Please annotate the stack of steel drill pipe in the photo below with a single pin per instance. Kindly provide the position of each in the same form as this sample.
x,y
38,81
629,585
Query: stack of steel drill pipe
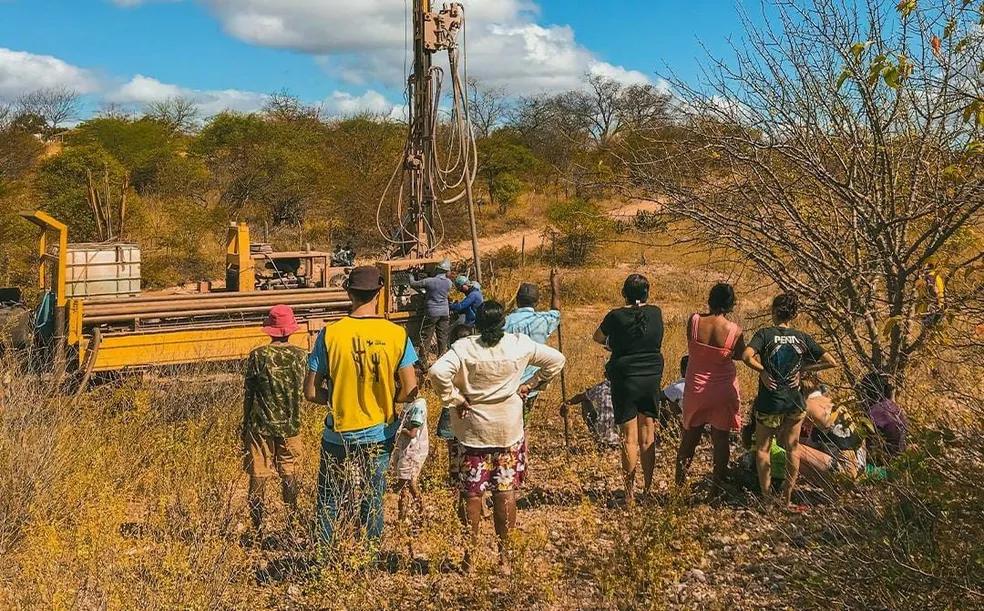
x,y
228,302
229,305
264,296
228,312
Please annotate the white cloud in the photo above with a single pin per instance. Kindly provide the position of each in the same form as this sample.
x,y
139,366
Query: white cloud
x,y
22,72
364,42
142,90
344,104
618,73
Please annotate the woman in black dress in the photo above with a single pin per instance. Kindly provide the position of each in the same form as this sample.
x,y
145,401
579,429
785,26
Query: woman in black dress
x,y
634,334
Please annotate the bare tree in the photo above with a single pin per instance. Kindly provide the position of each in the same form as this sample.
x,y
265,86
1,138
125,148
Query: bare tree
x,y
488,106
6,115
285,106
547,131
55,105
109,211
642,107
606,108
112,110
593,110
840,154
177,114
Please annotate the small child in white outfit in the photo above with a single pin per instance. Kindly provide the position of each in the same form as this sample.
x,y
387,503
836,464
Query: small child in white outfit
x,y
412,447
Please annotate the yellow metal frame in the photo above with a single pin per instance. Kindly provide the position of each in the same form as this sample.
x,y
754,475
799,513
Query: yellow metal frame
x,y
48,224
172,347
152,347
238,256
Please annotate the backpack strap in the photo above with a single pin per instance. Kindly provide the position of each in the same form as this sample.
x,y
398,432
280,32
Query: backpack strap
x,y
694,321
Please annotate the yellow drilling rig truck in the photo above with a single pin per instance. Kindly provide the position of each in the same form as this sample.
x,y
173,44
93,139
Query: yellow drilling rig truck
x,y
93,318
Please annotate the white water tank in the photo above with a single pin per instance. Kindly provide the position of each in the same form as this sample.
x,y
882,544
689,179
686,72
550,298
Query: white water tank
x,y
102,270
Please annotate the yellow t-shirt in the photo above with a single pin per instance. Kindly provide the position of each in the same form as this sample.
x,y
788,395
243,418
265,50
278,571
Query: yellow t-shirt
x,y
363,356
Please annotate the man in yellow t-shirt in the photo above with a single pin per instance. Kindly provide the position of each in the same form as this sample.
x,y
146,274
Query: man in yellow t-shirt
x,y
360,367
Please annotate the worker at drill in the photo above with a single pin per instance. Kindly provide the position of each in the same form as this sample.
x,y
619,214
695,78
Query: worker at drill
x,y
538,326
437,311
272,414
468,306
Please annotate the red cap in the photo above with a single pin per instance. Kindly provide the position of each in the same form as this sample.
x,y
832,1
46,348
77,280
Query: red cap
x,y
280,322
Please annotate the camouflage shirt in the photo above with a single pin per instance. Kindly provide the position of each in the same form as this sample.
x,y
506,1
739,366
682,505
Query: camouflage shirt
x,y
274,389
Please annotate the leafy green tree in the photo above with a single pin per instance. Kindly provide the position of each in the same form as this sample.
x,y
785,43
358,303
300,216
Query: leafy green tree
x,y
18,153
361,153
582,226
502,162
63,182
28,123
140,146
264,169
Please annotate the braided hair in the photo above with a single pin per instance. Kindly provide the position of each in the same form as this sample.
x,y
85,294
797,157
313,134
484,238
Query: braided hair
x,y
636,291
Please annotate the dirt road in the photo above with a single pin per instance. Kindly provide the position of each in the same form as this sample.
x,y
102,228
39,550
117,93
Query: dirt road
x,y
534,236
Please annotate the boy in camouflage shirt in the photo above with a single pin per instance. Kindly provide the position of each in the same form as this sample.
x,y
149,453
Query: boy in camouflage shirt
x,y
272,413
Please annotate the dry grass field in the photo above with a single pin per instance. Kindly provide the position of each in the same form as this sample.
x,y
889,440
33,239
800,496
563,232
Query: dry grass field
x,y
133,496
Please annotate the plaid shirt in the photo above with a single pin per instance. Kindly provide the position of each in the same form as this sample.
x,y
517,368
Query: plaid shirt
x,y
601,396
538,326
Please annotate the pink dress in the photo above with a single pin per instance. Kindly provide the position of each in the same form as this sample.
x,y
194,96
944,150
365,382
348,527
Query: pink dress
x,y
711,394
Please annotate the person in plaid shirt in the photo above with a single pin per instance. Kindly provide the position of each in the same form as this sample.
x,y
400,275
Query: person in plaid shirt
x,y
538,326
598,413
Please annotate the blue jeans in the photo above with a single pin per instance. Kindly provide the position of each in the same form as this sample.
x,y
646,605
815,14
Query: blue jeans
x,y
348,474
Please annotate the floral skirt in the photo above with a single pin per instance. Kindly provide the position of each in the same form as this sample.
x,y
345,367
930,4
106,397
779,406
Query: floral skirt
x,y
482,469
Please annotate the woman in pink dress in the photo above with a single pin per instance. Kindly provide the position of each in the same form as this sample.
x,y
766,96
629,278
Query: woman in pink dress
x,y
711,395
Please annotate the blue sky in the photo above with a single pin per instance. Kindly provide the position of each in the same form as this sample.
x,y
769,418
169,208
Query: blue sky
x,y
347,54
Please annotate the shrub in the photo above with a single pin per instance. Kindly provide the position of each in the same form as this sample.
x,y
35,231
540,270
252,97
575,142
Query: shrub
x,y
582,227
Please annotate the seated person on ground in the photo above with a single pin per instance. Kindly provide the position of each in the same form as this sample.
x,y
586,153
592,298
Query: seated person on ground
x,y
598,414
673,393
887,418
833,444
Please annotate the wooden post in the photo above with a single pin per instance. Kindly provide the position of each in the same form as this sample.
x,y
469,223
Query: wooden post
x,y
522,251
563,381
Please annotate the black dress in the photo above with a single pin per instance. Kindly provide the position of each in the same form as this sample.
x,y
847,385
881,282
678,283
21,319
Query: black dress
x,y
635,337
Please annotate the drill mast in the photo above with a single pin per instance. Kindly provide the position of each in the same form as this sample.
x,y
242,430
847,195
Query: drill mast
x,y
426,182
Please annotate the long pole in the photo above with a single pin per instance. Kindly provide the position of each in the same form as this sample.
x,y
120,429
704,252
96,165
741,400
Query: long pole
x,y
563,372
473,226
563,387
420,161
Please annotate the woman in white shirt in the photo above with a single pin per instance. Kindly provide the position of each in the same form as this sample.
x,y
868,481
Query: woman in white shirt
x,y
480,379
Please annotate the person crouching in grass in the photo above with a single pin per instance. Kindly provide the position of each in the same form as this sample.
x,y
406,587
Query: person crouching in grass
x,y
598,413
274,383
